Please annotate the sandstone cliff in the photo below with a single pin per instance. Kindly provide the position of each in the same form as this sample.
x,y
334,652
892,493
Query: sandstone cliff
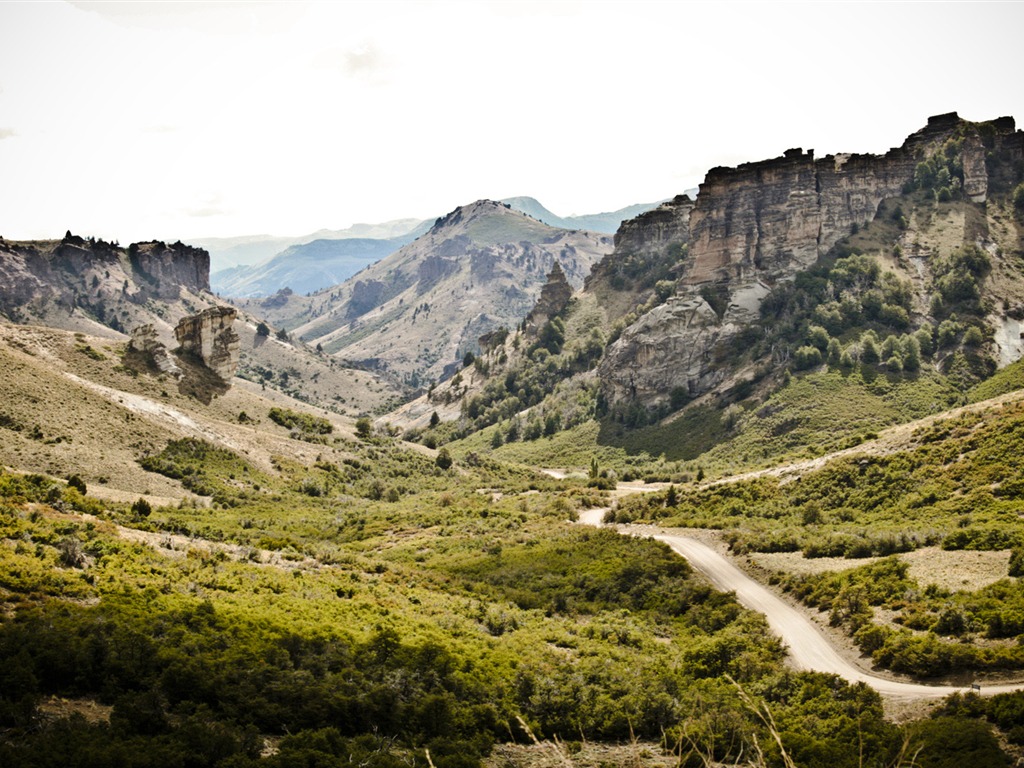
x,y
211,337
757,225
653,232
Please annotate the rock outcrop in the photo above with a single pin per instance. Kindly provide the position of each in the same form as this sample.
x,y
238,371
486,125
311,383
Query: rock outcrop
x,y
169,268
145,341
95,277
757,225
210,337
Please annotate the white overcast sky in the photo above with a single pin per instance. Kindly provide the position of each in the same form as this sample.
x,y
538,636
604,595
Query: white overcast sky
x,y
173,120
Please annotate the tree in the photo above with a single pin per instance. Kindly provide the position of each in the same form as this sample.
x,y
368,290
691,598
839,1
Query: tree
x,y
364,427
282,335
806,357
818,337
262,329
911,349
835,352
974,337
869,348
76,482
444,459
434,419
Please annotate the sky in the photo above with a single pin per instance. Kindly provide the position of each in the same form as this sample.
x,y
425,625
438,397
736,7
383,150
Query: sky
x,y
177,120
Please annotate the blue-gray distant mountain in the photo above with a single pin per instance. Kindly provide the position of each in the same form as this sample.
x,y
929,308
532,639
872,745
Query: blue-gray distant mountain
x,y
246,250
594,222
306,267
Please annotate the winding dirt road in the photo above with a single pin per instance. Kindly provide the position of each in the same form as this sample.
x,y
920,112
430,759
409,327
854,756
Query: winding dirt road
x,y
809,649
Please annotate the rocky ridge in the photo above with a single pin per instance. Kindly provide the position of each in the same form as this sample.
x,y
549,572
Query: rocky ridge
x,y
757,225
59,279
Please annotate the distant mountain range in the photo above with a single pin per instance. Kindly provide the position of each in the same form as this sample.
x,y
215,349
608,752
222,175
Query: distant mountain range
x,y
261,265
245,250
607,222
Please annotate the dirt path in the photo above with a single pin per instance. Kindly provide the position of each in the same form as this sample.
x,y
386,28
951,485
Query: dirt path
x,y
890,440
809,648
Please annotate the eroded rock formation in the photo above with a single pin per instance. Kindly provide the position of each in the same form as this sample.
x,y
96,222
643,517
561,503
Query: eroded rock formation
x,y
210,337
554,297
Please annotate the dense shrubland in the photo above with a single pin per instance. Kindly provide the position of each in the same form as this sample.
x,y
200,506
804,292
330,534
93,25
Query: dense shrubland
x,y
389,626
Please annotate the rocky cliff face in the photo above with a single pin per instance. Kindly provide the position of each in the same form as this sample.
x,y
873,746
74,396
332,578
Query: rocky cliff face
x,y
653,232
95,277
757,225
146,342
168,269
210,337
554,297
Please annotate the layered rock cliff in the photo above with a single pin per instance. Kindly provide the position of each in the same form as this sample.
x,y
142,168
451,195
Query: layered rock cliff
x,y
653,232
757,225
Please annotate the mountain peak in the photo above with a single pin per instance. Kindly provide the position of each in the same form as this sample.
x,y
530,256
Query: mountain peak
x,y
470,211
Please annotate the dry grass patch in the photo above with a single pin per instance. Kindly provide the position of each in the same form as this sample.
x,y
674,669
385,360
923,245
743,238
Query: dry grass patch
x,y
956,571
960,570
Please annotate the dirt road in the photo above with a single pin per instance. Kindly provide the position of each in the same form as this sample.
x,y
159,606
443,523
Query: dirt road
x,y
808,648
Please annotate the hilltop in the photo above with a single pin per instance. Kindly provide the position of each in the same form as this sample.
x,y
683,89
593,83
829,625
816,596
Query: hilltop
x,y
414,315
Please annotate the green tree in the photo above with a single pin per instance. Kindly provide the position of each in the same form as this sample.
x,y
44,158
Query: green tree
x,y
76,482
869,348
262,329
444,459
818,337
364,427
974,337
142,508
835,352
806,357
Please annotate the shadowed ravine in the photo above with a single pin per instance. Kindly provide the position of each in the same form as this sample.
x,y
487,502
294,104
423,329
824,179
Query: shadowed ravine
x,y
808,648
